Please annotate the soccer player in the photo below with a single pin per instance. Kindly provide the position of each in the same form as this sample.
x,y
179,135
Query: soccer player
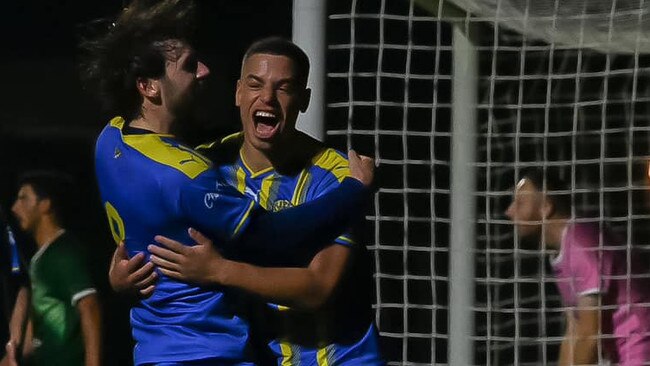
x,y
608,304
325,316
65,314
150,183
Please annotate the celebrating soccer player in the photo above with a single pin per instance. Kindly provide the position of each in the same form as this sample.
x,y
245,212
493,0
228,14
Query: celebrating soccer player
x,y
325,314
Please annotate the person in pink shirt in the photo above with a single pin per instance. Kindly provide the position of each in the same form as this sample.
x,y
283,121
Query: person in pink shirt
x,y
599,278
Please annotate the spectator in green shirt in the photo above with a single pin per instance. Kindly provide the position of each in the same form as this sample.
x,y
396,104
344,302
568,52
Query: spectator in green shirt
x,y
65,318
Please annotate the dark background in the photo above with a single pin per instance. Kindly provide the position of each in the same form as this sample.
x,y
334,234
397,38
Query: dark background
x,y
47,121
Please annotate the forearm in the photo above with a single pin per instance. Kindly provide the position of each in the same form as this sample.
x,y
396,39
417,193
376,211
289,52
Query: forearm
x,y
90,314
297,287
578,351
274,236
565,352
580,344
115,277
19,317
585,350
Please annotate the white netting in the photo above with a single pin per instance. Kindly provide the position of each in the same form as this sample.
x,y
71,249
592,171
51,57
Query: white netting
x,y
391,99
558,105
605,25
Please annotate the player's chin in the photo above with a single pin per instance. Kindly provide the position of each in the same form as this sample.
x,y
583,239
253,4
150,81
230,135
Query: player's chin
x,y
263,144
528,233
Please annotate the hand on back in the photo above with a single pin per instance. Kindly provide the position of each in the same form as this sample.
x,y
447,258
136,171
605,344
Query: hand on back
x,y
362,168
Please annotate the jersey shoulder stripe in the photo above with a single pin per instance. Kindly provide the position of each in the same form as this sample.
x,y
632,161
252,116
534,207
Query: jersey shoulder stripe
x,y
166,152
234,138
333,161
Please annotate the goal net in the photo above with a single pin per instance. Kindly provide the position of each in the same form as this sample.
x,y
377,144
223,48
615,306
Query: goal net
x,y
562,85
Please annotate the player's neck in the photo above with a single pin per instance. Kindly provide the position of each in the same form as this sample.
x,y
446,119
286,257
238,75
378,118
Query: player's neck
x,y
256,160
46,232
285,157
154,119
553,231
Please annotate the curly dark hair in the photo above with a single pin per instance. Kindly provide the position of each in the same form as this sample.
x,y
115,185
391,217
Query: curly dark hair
x,y
130,47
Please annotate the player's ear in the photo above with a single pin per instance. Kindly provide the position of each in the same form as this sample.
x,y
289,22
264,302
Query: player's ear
x,y
238,93
148,88
548,208
44,205
304,100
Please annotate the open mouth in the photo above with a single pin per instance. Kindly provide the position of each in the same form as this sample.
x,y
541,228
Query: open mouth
x,y
266,124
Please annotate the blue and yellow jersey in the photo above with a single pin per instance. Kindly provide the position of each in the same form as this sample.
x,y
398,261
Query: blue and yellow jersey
x,y
344,332
151,184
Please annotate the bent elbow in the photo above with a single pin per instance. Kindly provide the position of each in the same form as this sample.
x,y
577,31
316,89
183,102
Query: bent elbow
x,y
318,297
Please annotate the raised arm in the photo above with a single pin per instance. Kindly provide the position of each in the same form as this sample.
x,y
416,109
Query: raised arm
x,y
280,234
273,236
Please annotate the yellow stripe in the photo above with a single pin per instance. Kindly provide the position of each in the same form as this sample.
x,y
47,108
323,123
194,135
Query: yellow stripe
x,y
233,136
244,218
283,308
265,191
287,353
254,174
206,146
226,140
300,186
115,223
333,162
241,180
117,122
345,239
195,153
183,159
323,356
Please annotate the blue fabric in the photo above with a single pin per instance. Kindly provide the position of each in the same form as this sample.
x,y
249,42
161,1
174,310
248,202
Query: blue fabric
x,y
152,185
179,322
344,333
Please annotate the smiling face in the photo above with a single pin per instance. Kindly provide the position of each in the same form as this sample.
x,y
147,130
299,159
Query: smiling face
x,y
269,96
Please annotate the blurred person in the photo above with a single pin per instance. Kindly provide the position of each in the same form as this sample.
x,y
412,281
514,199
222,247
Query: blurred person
x,y
64,317
325,316
148,73
608,300
15,291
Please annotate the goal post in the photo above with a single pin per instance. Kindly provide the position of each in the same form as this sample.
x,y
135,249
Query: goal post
x,y
463,200
309,32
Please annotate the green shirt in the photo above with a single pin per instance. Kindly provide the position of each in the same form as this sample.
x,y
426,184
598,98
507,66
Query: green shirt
x,y
59,279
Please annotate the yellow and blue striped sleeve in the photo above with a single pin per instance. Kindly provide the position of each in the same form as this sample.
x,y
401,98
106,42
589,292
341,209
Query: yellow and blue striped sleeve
x,y
332,167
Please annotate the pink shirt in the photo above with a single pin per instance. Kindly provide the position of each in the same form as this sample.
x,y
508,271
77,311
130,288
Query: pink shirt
x,y
585,267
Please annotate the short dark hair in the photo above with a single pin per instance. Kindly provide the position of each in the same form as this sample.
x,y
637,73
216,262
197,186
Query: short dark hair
x,y
130,47
55,186
549,181
282,47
